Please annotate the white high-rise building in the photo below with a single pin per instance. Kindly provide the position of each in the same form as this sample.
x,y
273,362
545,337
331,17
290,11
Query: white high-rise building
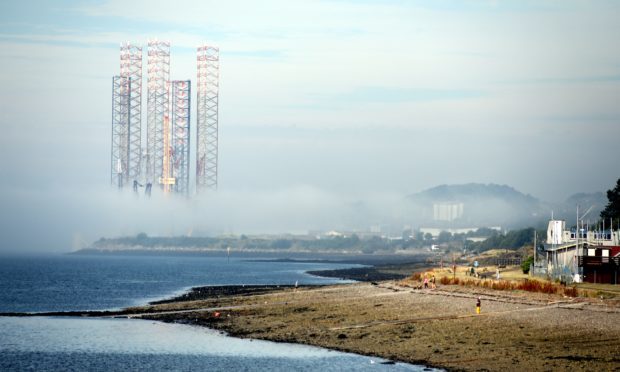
x,y
447,211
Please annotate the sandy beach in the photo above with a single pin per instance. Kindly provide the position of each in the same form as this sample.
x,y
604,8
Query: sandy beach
x,y
514,331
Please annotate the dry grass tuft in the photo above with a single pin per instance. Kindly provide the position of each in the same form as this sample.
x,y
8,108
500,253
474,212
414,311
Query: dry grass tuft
x,y
508,285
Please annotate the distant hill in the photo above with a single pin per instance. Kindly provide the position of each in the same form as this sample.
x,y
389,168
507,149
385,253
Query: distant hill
x,y
477,205
568,209
474,191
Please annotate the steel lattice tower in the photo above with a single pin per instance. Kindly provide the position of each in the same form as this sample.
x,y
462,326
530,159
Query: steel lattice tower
x,y
181,93
157,106
131,68
208,60
121,87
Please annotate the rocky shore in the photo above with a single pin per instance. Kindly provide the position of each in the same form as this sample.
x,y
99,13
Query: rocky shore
x,y
359,274
214,292
515,331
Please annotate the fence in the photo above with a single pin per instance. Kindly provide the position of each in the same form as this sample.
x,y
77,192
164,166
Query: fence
x,y
508,261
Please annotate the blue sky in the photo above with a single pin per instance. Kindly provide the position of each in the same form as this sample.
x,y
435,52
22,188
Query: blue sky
x,y
353,100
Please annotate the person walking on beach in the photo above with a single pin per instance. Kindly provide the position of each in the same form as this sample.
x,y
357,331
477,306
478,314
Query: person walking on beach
x,y
433,286
478,306
425,282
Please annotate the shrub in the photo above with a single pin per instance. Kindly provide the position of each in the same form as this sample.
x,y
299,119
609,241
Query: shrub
x,y
525,265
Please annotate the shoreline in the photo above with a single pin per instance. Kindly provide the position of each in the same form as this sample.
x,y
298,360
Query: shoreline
x,y
394,320
217,291
436,328
368,273
377,272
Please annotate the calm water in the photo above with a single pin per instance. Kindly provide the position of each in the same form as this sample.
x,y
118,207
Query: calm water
x,y
41,343
57,283
69,282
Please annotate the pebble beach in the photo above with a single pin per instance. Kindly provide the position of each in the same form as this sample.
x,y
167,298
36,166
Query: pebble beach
x,y
434,327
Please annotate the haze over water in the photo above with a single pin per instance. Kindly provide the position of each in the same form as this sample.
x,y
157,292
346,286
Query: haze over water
x,y
330,112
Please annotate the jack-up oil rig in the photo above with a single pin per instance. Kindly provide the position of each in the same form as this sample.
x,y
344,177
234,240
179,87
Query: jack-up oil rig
x,y
165,158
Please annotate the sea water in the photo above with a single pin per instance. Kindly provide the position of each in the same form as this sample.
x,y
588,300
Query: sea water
x,y
76,282
64,283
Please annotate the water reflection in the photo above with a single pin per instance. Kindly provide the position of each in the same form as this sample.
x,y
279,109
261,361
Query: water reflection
x,y
119,344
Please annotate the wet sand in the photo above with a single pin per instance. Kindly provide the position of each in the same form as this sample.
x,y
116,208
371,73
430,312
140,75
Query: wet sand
x,y
515,330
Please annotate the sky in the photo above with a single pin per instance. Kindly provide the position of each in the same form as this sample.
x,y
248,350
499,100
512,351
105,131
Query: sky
x,y
323,105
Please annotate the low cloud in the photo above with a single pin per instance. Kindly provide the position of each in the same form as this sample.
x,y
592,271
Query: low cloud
x,y
63,219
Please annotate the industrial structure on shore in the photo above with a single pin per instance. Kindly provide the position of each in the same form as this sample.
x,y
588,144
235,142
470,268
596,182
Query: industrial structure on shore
x,y
163,157
582,254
